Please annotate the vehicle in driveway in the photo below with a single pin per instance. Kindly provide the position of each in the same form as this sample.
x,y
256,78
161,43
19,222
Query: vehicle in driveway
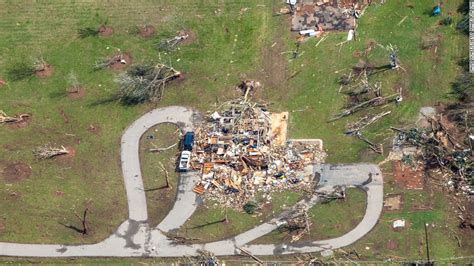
x,y
184,161
188,141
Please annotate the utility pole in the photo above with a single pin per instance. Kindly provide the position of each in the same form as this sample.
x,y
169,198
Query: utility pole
x,y
427,245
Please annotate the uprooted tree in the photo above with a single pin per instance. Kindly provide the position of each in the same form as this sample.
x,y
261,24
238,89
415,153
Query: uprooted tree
x,y
4,118
74,84
48,151
145,83
296,224
169,44
25,70
108,62
87,32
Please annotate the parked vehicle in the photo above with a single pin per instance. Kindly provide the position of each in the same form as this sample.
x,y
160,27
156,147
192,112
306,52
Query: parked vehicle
x,y
184,161
188,141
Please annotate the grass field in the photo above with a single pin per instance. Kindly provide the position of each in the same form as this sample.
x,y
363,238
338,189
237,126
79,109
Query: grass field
x,y
34,29
327,220
159,198
232,43
410,242
207,225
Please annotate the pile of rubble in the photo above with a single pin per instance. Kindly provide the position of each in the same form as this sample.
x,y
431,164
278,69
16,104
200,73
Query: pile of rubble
x,y
236,151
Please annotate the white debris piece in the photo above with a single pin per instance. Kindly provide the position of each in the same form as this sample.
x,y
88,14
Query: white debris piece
x,y
327,253
398,224
350,35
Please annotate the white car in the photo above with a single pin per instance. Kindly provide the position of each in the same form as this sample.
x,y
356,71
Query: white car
x,y
184,160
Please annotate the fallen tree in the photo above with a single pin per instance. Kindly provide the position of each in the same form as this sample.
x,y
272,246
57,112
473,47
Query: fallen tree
x,y
47,152
4,118
172,43
145,83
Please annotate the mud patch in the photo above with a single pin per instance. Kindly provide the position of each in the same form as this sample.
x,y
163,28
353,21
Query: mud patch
x,y
46,71
105,31
121,61
407,176
76,93
66,157
26,120
392,244
16,172
147,31
192,37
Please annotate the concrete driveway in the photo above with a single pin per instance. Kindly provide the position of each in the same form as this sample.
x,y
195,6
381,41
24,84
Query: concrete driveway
x,y
134,238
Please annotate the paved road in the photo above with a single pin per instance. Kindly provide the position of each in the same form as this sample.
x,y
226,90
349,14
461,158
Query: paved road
x,y
185,204
134,237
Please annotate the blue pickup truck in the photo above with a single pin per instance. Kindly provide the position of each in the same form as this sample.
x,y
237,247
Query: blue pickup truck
x,y
188,141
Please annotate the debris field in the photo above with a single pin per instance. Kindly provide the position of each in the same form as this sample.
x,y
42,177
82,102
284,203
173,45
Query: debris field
x,y
240,155
328,14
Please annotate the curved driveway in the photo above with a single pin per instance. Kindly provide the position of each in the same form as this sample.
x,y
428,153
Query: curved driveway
x,y
134,237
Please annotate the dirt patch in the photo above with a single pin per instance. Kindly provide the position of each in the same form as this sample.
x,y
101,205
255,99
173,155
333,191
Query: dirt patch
x,y
121,61
76,93
2,82
105,31
279,127
16,172
468,222
421,207
392,244
393,202
46,71
407,176
68,156
147,31
94,129
22,124
192,37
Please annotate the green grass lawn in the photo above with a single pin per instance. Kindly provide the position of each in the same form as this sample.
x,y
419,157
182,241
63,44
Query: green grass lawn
x,y
33,29
425,82
159,198
410,242
232,43
328,220
207,224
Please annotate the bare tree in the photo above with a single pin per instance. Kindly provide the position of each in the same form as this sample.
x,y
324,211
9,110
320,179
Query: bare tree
x,y
168,185
85,227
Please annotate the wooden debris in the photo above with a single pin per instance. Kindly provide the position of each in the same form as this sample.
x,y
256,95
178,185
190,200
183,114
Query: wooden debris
x,y
251,255
377,101
156,149
353,128
239,154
